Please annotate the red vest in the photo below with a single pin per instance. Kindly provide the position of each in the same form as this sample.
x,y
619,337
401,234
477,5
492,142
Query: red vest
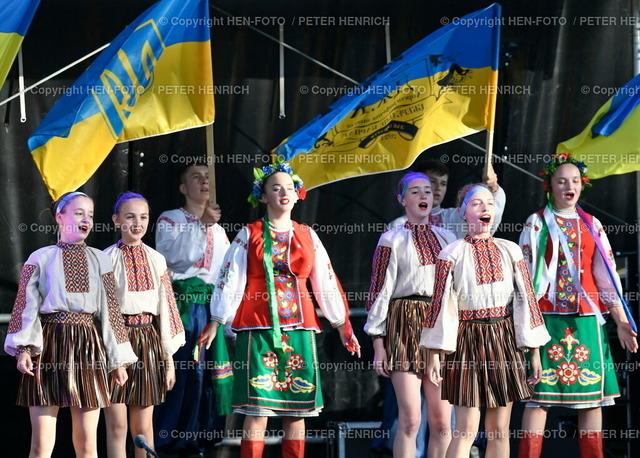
x,y
588,250
253,312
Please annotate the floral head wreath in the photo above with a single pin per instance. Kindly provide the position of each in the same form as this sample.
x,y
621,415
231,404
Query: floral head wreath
x,y
265,172
556,161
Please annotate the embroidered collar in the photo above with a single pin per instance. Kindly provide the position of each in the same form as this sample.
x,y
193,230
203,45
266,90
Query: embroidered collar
x,y
418,227
474,240
131,248
71,246
189,214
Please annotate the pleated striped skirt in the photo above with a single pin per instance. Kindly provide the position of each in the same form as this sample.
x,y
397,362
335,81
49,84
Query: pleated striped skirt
x,y
405,319
72,369
487,369
147,377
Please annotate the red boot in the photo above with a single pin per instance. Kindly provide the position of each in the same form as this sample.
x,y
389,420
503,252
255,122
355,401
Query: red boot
x,y
292,448
591,444
530,445
251,449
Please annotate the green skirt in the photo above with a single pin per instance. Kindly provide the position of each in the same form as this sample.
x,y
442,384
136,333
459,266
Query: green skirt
x,y
577,367
267,387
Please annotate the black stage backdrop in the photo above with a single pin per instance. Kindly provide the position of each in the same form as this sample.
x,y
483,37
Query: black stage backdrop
x,y
560,61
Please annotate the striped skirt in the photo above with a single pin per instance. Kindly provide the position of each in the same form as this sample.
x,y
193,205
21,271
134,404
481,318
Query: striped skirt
x,y
405,319
146,385
487,369
72,369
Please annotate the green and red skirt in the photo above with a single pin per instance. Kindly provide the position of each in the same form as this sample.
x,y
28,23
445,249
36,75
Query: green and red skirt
x,y
266,385
577,367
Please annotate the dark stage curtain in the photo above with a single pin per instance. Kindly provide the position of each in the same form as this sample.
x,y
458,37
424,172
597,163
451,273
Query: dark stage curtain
x,y
556,70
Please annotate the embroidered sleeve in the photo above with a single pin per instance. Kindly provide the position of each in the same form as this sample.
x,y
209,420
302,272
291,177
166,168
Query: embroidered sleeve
x,y
383,280
232,279
529,327
175,323
171,329
440,331
115,316
114,333
443,270
529,295
378,272
25,330
15,325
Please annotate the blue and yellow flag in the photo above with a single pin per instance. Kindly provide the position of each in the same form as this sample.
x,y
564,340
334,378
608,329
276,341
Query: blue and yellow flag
x,y
442,88
15,18
154,78
610,144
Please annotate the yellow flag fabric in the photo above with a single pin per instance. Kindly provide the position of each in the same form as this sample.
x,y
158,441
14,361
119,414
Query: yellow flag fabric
x,y
154,78
610,144
442,88
15,18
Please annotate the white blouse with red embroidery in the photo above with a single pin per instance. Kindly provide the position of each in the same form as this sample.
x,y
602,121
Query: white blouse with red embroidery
x,y
482,278
190,248
144,286
68,278
404,264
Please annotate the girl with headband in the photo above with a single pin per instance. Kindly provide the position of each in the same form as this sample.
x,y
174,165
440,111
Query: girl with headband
x,y
66,331
484,317
576,283
151,317
263,286
402,279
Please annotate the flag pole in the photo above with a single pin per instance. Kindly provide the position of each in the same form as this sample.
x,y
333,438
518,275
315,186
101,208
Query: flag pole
x,y
488,156
491,115
211,165
492,90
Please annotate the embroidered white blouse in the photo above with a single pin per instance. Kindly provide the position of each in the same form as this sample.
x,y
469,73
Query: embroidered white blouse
x,y
482,278
403,265
190,248
68,278
144,286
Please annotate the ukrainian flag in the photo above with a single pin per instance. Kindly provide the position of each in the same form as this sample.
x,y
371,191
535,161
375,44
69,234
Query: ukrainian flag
x,y
154,78
15,18
610,144
442,88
